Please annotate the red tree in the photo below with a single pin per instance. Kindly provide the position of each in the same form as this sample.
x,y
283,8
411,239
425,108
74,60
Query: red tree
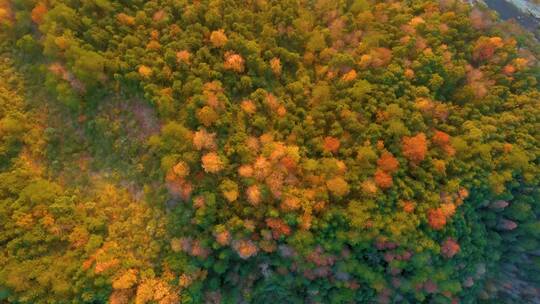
x,y
383,179
449,248
436,218
415,148
331,144
388,163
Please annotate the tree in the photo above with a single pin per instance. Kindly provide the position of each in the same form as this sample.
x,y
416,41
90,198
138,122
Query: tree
x,y
415,148
442,139
234,62
230,190
204,140
125,19
449,248
436,218
125,280
349,76
338,186
39,12
207,116
145,71
383,179
245,248
408,206
183,56
218,38
388,163
279,127
253,194
223,237
275,65
290,204
181,169
331,144
212,163
485,47
248,106
316,42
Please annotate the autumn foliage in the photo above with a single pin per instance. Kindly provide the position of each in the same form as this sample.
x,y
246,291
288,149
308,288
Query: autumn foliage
x,y
485,47
388,163
408,206
436,218
145,71
415,148
449,248
211,162
183,56
338,186
275,65
331,144
234,62
38,13
218,38
442,140
383,179
203,139
267,151
245,248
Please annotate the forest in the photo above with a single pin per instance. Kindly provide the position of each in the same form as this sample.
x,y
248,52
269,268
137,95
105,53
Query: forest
x,y
267,151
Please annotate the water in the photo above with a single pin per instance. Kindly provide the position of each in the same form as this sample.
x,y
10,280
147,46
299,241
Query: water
x,y
507,10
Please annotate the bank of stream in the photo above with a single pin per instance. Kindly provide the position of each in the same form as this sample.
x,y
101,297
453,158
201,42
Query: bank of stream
x,y
525,13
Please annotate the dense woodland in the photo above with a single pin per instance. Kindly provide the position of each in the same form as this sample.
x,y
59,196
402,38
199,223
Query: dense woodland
x,y
267,151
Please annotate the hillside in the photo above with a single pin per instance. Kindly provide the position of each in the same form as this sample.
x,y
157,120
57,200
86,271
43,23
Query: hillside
x,y
285,151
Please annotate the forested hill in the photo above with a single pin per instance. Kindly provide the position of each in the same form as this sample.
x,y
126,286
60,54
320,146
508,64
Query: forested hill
x,y
267,151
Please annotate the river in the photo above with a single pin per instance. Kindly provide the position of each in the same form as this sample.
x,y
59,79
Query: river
x,y
520,10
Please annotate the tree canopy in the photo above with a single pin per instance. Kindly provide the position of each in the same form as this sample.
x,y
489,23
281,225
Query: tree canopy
x,y
235,151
